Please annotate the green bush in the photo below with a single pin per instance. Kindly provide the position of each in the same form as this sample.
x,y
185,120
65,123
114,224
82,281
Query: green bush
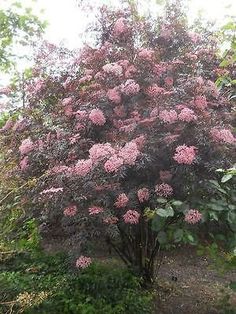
x,y
45,284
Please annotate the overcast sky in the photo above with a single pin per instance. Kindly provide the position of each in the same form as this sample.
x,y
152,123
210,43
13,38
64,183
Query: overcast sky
x,y
67,22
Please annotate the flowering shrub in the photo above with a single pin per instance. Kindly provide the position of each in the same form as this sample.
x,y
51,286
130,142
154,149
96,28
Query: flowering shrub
x,y
135,118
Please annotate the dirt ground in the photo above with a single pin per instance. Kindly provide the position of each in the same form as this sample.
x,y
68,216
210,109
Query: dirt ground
x,y
189,285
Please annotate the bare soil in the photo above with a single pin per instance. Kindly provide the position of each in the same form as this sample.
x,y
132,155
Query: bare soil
x,y
188,284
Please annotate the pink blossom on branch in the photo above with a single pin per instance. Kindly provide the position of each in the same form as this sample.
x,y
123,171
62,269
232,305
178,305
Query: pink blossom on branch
x,y
187,115
70,211
185,154
94,210
97,117
222,136
100,151
130,88
143,195
120,27
146,54
129,153
193,216
163,189
26,146
83,262
131,217
113,164
83,167
168,116
24,163
113,68
122,201
114,95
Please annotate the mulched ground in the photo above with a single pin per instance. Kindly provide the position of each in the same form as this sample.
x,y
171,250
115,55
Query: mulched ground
x,y
188,284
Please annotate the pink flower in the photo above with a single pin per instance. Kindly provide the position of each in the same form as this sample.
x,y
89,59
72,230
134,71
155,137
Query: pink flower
x,y
154,113
168,116
187,115
131,70
169,81
83,167
97,117
83,262
67,101
185,154
58,169
100,151
193,216
154,90
24,163
143,195
222,135
131,217
70,211
163,189
130,88
114,95
113,164
113,68
51,190
8,125
85,79
121,201
120,27
129,153
81,115
146,54
111,220
200,102
26,146
120,111
95,210
165,175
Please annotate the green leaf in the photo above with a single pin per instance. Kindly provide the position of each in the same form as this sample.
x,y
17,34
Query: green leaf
x,y
177,203
233,286
161,200
226,178
178,235
158,223
162,237
165,212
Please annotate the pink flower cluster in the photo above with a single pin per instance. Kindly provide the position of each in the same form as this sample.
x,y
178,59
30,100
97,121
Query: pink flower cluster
x,y
97,117
200,102
185,154
94,210
129,153
120,27
113,164
26,146
146,54
187,115
114,95
193,216
8,125
51,190
70,211
100,151
122,201
131,217
24,163
143,195
154,90
83,167
112,220
168,116
222,135
130,88
163,189
83,262
113,68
